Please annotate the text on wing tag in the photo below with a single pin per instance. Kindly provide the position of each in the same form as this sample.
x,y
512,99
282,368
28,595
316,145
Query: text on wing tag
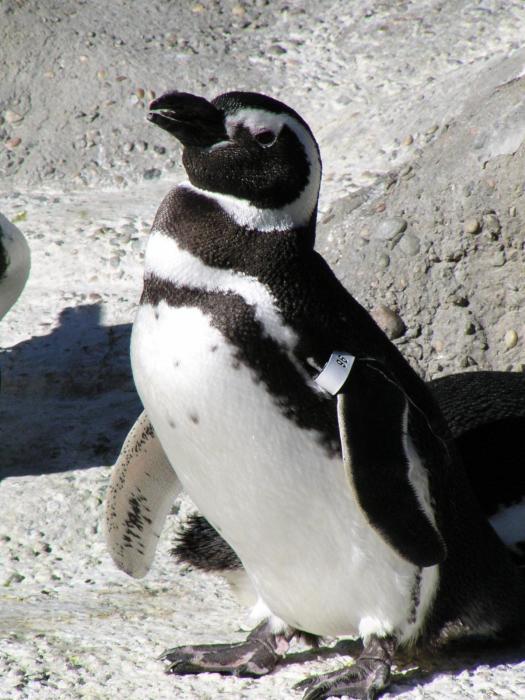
x,y
335,373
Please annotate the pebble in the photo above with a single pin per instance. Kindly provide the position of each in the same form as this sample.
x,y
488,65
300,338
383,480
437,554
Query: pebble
x,y
383,261
102,74
492,225
470,329
439,346
152,174
12,117
140,92
408,140
410,244
114,261
388,229
467,361
499,259
13,143
511,339
459,300
389,321
19,216
471,225
129,229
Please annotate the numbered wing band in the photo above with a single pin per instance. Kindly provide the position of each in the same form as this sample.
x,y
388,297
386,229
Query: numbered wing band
x,y
335,373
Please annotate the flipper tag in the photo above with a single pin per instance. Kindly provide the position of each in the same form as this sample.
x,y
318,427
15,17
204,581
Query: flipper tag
x,y
335,373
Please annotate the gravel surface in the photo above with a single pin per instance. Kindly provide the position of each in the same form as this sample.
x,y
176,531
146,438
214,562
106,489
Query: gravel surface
x,y
419,111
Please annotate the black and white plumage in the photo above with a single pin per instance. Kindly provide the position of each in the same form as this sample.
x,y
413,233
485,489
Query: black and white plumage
x,y
485,412
351,515
486,415
15,262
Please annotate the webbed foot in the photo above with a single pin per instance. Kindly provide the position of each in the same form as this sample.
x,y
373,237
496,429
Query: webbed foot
x,y
256,656
363,680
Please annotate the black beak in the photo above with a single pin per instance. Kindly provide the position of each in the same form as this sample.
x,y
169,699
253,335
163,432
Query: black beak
x,y
192,120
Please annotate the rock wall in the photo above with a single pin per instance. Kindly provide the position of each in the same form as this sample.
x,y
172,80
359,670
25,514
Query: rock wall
x,y
441,241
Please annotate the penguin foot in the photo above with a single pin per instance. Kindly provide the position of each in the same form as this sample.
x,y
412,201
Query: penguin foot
x,y
364,680
255,657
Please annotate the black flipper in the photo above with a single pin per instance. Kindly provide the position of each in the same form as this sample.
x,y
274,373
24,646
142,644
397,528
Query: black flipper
x,y
486,415
373,420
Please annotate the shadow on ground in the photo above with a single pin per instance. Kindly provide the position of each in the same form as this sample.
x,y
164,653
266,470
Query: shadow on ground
x,y
419,667
67,398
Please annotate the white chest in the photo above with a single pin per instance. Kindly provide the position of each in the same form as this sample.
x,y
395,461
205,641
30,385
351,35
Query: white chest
x,y
267,485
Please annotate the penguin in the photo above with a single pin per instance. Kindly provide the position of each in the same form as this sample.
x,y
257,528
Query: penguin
x,y
485,412
297,428
486,415
15,263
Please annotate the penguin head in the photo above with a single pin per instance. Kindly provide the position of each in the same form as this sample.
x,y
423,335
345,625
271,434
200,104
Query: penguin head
x,y
246,145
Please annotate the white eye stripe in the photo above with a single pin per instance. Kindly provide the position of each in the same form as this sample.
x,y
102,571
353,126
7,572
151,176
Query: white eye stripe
x,y
255,120
258,120
255,129
296,213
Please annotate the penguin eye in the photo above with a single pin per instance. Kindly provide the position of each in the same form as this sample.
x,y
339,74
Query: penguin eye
x,y
265,138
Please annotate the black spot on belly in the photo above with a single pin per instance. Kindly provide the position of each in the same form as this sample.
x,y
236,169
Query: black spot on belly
x,y
157,314
270,364
214,348
176,363
194,418
236,364
171,422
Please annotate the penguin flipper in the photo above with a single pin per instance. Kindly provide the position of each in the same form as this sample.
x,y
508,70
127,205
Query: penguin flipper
x,y
141,492
386,472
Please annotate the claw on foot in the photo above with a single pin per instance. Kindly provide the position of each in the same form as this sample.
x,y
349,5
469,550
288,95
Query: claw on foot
x,y
364,680
255,657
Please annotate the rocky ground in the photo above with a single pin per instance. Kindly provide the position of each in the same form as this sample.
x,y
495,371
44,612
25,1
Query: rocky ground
x,y
419,111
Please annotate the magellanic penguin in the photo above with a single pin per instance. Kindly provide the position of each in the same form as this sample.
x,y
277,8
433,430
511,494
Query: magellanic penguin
x,y
15,262
296,427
